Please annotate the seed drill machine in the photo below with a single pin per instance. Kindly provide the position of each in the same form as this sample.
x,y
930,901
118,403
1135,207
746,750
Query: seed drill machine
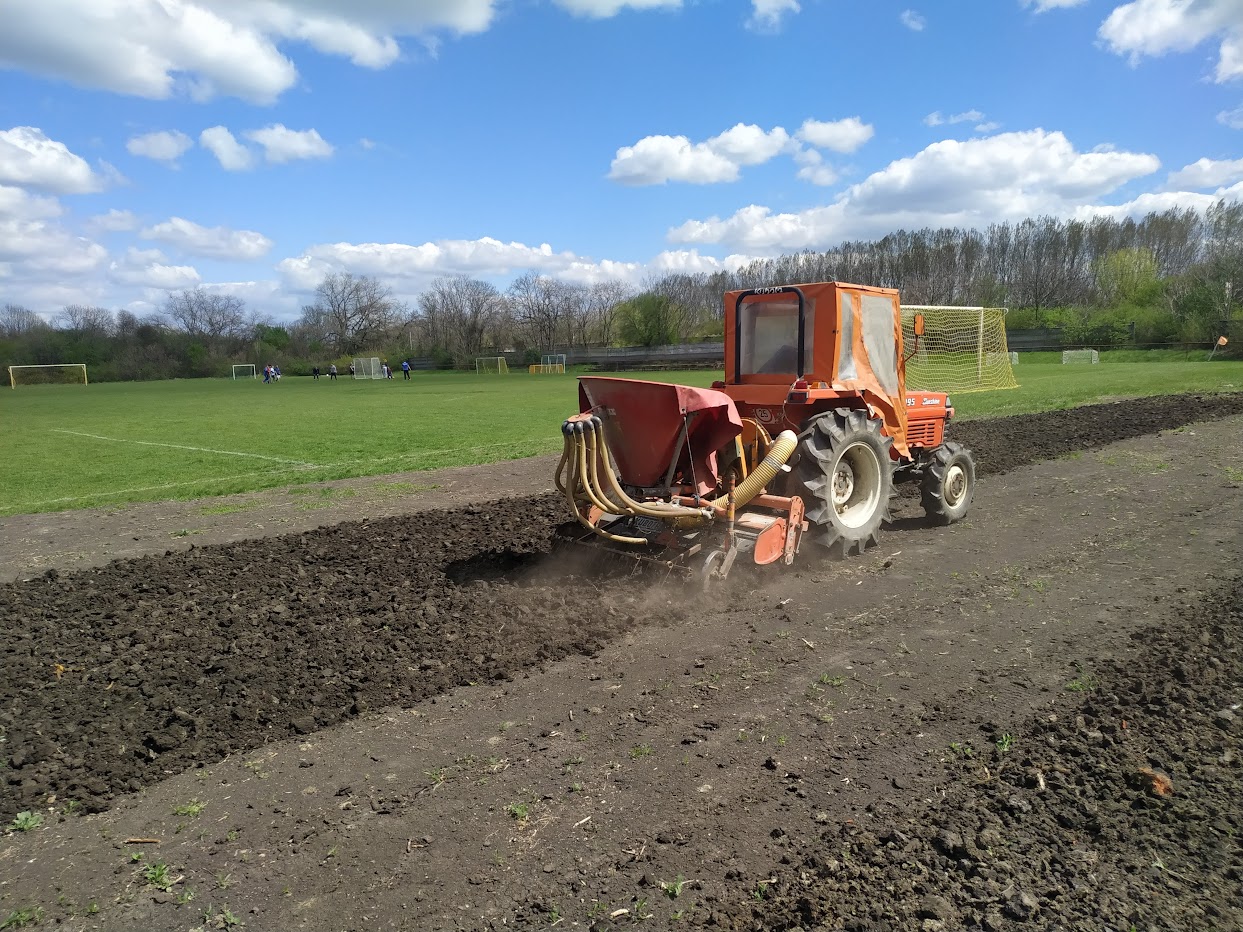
x,y
805,438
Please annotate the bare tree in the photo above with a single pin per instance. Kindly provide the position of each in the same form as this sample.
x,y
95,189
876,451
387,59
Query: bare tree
x,y
460,315
86,319
601,307
16,321
352,313
541,307
216,320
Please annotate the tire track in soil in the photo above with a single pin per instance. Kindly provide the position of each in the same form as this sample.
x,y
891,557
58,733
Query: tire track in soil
x,y
114,678
1063,824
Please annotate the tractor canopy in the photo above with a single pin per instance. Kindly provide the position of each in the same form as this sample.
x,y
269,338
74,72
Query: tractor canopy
x,y
846,336
657,429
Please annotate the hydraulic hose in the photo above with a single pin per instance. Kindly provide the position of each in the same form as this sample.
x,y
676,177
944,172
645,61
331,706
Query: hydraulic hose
x,y
781,449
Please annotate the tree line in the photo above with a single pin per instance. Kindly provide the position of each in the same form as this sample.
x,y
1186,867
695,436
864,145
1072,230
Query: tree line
x,y
1170,276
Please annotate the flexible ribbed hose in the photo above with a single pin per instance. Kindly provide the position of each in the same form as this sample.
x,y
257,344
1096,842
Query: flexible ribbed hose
x,y
781,450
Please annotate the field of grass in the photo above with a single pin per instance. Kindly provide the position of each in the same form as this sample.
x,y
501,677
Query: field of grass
x,y
69,446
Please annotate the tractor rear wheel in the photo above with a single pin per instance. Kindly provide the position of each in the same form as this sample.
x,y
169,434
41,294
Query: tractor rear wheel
x,y
846,477
948,483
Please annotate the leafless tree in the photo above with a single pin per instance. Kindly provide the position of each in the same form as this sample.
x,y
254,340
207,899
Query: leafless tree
x,y
352,313
217,320
460,315
541,307
86,319
15,321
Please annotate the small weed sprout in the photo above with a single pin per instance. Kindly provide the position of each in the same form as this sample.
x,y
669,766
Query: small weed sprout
x,y
193,808
673,889
519,812
26,821
1005,742
20,918
962,748
157,875
640,750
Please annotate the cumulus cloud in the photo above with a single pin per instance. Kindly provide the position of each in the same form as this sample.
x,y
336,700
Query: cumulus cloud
x,y
231,154
812,168
212,242
1232,118
950,183
285,145
148,268
163,146
114,221
766,15
30,158
1205,173
912,21
157,49
1154,27
39,258
660,159
839,135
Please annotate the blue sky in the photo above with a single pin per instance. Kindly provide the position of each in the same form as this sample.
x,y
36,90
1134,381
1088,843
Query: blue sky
x,y
254,147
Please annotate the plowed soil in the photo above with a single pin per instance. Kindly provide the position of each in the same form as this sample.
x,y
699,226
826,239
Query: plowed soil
x,y
427,722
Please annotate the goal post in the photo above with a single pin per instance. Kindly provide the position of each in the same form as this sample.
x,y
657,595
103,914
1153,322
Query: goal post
x,y
1089,356
963,349
245,370
368,367
59,373
491,365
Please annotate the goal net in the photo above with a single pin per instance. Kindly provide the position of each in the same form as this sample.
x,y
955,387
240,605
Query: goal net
x,y
963,349
491,365
69,373
1080,355
368,367
245,371
552,364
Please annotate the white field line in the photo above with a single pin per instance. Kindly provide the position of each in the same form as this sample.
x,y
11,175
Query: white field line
x,y
246,475
178,446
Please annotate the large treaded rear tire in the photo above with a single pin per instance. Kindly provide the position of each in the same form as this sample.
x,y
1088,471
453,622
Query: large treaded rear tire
x,y
948,483
845,476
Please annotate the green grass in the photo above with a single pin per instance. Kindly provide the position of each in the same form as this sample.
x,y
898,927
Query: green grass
x,y
304,431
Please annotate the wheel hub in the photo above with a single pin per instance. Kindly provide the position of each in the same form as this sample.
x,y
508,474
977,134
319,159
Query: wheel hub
x,y
856,485
955,485
843,484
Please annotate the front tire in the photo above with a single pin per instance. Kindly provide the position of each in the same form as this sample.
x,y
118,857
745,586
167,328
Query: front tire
x,y
948,484
846,476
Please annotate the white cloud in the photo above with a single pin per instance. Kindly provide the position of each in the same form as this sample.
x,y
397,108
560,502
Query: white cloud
x,y
601,9
148,268
39,259
660,159
766,15
950,183
163,146
231,154
28,157
158,48
812,168
913,21
366,143
1232,118
987,127
213,242
839,135
1154,27
1205,173
285,145
1043,6
936,118
114,221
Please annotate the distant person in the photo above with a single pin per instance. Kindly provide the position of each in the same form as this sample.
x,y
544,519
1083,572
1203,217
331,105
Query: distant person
x,y
332,372
315,372
276,373
267,374
405,369
351,370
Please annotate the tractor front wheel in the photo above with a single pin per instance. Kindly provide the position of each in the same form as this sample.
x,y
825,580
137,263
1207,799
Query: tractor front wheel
x,y
846,476
948,483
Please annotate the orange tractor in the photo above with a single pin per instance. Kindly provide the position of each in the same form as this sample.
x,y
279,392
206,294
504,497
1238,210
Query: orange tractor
x,y
807,435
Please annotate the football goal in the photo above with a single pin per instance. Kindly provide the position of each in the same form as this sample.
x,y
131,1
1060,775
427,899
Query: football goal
x,y
963,349
67,373
552,364
1080,355
245,371
368,367
491,365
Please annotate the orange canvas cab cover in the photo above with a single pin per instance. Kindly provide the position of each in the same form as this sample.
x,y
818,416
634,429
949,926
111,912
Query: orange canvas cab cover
x,y
862,353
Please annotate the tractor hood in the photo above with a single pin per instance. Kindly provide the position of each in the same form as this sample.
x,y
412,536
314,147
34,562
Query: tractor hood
x,y
643,424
